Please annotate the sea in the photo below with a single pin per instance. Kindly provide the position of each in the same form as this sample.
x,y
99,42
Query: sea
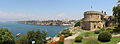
x,y
16,28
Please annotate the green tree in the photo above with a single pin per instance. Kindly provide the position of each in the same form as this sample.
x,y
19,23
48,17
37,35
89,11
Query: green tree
x,y
77,24
6,37
38,37
30,36
116,13
21,40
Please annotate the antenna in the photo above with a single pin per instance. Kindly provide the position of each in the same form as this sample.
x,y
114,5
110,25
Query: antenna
x,y
92,4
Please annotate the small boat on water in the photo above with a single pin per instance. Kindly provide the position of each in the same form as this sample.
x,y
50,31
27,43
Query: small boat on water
x,y
19,34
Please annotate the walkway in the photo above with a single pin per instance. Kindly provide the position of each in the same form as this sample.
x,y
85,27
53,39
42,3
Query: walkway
x,y
118,35
68,39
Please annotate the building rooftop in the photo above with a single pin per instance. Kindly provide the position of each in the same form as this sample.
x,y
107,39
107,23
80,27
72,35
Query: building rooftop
x,y
93,13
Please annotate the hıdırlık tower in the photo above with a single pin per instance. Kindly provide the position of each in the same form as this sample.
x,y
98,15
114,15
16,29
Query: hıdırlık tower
x,y
92,20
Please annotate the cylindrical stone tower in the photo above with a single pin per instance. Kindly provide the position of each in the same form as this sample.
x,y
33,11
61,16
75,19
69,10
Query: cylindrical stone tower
x,y
92,16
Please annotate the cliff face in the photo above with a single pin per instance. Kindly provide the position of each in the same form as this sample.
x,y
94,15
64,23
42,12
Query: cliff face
x,y
53,23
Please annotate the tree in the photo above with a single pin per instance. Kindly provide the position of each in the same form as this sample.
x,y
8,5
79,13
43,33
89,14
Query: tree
x,y
30,36
6,37
38,37
21,40
116,13
77,24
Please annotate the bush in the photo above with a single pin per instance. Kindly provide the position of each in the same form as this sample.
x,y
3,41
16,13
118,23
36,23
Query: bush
x,y
70,34
66,35
104,36
62,38
60,42
65,32
87,34
58,35
108,29
77,24
111,31
92,42
102,29
97,31
116,29
78,39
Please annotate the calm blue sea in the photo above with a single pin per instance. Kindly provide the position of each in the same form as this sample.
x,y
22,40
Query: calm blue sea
x,y
16,28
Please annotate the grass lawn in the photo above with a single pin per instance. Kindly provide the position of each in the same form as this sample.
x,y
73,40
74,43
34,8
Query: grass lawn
x,y
114,40
91,34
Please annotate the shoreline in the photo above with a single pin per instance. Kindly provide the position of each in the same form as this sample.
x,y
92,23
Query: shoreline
x,y
49,23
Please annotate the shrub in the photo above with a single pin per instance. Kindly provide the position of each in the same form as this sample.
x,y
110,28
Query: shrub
x,y
92,42
111,31
102,29
116,29
108,29
62,38
58,35
60,42
97,31
70,34
77,24
87,34
104,36
78,39
65,32
66,35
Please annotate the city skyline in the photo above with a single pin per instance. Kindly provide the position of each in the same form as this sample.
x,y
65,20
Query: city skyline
x,y
16,10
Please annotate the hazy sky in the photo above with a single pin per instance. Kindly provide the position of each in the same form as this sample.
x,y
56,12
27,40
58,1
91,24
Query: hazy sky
x,y
14,10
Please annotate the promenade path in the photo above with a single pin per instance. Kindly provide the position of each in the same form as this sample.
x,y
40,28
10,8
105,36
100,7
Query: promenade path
x,y
118,35
68,39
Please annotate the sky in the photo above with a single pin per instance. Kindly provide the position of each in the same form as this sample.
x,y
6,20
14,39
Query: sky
x,y
20,10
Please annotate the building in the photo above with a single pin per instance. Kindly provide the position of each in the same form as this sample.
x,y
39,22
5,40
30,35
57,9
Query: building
x,y
92,20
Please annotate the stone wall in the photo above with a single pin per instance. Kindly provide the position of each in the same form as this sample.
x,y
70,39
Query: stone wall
x,y
92,25
97,25
85,25
92,17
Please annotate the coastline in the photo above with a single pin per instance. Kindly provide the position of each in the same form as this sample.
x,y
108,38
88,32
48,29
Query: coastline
x,y
49,23
16,28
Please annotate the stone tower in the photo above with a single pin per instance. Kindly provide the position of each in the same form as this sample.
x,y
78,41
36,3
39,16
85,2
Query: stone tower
x,y
92,16
92,20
